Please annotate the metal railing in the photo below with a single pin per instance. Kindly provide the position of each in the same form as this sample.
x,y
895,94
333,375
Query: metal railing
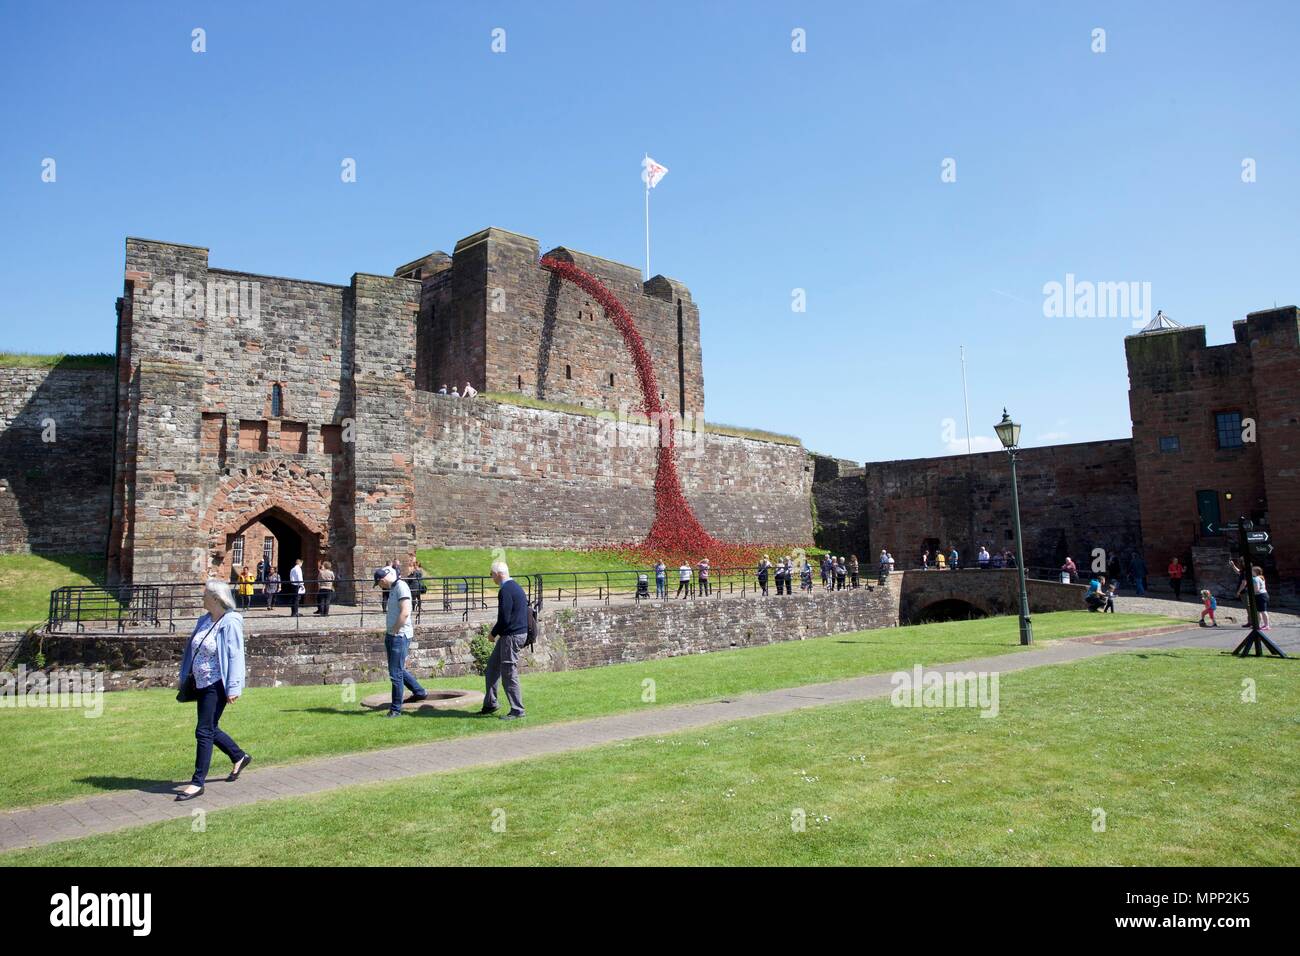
x,y
575,587
357,603
175,606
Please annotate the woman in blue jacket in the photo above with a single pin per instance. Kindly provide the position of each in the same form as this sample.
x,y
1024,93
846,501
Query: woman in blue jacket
x,y
214,657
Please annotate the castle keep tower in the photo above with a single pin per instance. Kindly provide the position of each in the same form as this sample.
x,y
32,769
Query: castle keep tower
x,y
490,316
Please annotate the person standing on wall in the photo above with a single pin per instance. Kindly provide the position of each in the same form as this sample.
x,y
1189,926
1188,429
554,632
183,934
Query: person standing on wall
x,y
511,635
763,567
853,569
661,573
704,578
684,580
1176,571
324,589
397,638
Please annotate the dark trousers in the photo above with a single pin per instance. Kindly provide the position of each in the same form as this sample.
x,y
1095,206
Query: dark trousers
x,y
683,588
396,647
704,586
323,598
855,578
297,600
211,703
270,599
503,666
1177,585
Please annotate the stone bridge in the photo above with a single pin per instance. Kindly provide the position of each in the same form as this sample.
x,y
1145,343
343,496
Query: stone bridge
x,y
946,595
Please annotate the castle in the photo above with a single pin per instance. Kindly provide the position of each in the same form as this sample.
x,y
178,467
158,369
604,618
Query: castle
x,y
255,416
250,416
1216,435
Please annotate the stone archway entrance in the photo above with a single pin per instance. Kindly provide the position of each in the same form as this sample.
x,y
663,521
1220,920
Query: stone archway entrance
x,y
277,537
277,510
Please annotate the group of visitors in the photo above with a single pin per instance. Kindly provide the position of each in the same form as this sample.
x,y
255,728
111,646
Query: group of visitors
x,y
1114,571
212,670
950,561
837,573
266,584
264,587
470,391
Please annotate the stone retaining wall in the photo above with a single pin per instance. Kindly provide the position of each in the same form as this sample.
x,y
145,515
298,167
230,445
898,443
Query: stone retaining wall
x,y
573,638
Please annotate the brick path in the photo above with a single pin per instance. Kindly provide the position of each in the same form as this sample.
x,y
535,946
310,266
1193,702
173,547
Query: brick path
x,y
126,808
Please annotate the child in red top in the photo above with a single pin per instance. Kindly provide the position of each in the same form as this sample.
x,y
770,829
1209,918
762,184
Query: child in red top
x,y
1211,605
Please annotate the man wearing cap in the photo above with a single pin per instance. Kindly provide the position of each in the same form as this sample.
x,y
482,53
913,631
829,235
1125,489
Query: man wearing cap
x,y
511,634
397,637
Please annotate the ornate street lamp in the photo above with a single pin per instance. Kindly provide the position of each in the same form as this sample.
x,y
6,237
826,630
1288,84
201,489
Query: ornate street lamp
x,y
1009,434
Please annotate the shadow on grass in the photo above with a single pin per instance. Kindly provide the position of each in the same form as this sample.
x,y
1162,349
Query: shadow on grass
x,y
363,712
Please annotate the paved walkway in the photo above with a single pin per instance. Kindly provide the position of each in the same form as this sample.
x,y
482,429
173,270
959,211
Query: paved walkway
x,y
126,808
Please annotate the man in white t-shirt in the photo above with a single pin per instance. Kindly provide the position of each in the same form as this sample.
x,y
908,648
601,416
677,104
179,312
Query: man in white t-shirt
x,y
397,637
684,580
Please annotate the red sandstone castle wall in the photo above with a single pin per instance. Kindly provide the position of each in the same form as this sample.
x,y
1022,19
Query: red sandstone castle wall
x,y
1073,497
490,474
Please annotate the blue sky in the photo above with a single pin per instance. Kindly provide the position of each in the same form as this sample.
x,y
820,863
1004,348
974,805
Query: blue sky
x,y
818,171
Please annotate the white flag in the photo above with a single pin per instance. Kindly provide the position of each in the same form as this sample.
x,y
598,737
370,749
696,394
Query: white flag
x,y
652,172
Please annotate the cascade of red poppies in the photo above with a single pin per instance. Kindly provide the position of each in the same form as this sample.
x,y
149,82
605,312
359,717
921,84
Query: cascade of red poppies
x,y
676,530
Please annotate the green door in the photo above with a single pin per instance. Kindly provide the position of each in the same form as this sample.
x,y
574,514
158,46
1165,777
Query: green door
x,y
1207,506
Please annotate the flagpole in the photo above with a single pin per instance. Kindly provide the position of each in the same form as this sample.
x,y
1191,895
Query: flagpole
x,y
966,398
646,177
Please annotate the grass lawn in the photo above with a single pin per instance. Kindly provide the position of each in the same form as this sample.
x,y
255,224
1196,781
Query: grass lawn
x,y
1161,742
145,737
26,581
444,562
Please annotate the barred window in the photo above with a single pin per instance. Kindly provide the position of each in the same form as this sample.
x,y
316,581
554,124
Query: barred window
x,y
237,552
1169,443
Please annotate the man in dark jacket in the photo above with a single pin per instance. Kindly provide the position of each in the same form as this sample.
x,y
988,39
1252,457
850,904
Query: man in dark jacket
x,y
511,634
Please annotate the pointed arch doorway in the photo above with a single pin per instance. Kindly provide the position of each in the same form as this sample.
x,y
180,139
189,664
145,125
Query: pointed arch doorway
x,y
277,536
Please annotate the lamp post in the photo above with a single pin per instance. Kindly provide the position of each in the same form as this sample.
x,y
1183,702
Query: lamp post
x,y
1009,434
